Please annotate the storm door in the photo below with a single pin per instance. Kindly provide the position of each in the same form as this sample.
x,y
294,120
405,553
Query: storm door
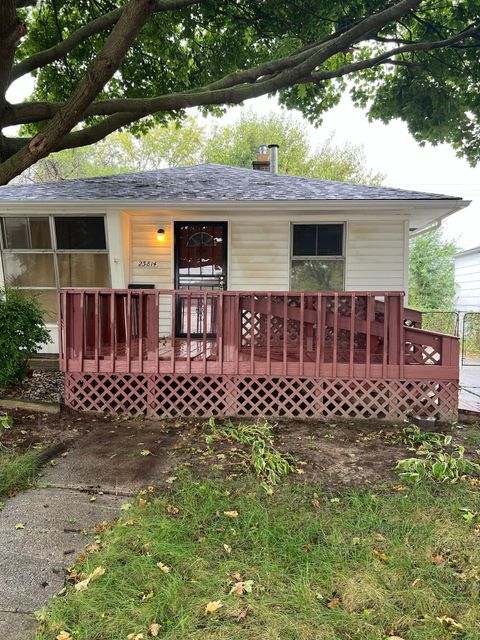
x,y
200,264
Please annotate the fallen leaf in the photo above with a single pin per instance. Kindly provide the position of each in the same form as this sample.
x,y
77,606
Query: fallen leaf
x,y
164,567
63,635
135,636
83,584
332,604
142,502
449,622
243,614
239,588
171,479
129,523
172,510
437,559
379,537
213,606
20,525
126,506
382,556
231,514
316,501
145,453
237,576
299,472
93,499
154,629
228,548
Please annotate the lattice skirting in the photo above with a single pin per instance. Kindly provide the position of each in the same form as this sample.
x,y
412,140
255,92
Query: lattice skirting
x,y
180,395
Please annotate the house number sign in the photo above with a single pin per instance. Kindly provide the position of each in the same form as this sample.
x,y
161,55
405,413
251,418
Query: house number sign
x,y
148,264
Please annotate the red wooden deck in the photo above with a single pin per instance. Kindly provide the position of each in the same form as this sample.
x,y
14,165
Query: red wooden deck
x,y
160,343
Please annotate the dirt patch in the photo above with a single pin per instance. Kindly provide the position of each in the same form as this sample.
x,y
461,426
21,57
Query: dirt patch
x,y
106,451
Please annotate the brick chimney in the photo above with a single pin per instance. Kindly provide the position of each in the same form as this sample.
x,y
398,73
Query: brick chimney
x,y
262,161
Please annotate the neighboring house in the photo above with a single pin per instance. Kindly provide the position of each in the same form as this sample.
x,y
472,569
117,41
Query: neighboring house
x,y
467,280
220,228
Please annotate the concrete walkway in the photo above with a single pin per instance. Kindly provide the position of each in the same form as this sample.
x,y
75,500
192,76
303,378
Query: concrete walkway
x,y
106,464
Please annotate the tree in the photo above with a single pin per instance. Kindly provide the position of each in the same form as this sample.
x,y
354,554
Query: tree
x,y
238,143
101,66
432,271
173,145
121,152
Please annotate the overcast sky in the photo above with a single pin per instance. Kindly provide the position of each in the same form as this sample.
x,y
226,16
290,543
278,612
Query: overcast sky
x,y
389,149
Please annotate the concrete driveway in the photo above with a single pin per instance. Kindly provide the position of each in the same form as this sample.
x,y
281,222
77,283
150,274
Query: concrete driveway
x,y
102,470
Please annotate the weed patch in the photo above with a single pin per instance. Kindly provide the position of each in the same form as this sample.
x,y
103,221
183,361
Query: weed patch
x,y
268,464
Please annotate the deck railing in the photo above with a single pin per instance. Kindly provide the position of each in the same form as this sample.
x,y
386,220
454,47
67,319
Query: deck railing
x,y
330,334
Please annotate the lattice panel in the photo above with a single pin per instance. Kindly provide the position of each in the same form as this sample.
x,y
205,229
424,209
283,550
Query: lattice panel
x,y
201,396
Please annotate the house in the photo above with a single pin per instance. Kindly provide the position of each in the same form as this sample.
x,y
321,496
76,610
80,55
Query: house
x,y
292,292
467,280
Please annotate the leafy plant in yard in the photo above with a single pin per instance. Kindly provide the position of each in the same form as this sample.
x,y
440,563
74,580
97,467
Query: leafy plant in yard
x,y
438,458
269,464
5,422
22,332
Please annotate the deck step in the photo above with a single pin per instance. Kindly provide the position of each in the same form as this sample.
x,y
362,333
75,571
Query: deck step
x,y
44,362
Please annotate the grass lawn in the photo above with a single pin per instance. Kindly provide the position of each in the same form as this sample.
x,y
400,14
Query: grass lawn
x,y
298,564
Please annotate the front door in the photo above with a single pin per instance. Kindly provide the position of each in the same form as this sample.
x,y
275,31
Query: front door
x,y
201,255
200,263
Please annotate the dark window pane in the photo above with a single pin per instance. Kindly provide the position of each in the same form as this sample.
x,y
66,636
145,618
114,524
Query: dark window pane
x,y
83,270
40,233
80,233
317,275
304,239
29,269
329,240
15,233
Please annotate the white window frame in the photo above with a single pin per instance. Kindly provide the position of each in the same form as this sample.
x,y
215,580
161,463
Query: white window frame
x,y
342,257
53,250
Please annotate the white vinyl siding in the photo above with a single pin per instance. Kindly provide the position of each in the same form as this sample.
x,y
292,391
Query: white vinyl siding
x,y
146,247
259,255
467,279
259,251
376,256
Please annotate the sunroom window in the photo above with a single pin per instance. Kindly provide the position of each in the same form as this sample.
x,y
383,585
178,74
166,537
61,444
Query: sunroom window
x,y
43,253
318,258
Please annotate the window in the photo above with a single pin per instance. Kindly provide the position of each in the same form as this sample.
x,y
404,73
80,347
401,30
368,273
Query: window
x,y
42,253
318,261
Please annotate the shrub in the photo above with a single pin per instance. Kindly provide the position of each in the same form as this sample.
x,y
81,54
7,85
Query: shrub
x,y
22,332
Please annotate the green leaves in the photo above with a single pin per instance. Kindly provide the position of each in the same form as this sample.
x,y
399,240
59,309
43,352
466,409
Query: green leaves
x,y
22,332
438,459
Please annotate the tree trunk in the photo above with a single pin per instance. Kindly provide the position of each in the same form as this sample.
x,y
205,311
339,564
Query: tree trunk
x,y
100,71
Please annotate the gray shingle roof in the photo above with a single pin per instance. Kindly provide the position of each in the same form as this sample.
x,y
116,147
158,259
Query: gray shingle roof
x,y
206,182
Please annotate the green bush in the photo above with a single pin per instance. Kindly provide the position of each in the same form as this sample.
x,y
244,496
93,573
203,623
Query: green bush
x,y
22,332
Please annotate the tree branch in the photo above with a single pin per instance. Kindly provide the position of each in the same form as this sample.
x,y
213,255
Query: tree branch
x,y
60,50
133,17
304,65
233,88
